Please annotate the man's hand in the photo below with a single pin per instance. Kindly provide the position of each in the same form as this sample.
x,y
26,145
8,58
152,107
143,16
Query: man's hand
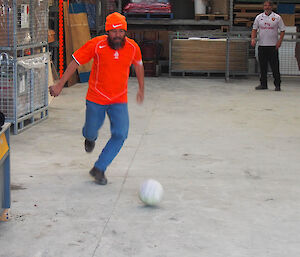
x,y
55,89
253,42
140,96
278,45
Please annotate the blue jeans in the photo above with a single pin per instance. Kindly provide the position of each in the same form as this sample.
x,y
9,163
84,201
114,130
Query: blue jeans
x,y
119,125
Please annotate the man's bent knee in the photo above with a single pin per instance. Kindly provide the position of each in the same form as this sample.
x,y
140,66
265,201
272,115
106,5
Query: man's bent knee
x,y
122,136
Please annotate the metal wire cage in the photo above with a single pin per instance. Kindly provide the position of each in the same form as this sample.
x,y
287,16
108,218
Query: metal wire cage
x,y
206,52
23,22
24,89
23,61
229,53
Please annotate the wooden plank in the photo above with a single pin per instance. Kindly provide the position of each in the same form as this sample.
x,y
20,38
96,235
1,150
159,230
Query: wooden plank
x,y
211,17
240,20
207,55
50,81
245,7
246,22
245,14
164,39
54,71
68,44
220,7
288,19
80,35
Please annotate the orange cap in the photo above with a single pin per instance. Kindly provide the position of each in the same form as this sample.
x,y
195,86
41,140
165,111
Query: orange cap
x,y
115,21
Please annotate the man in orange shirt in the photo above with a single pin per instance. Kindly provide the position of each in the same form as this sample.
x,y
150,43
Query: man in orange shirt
x,y
113,55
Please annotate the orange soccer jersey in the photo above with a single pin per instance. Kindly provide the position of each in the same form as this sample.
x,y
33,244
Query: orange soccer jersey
x,y
110,70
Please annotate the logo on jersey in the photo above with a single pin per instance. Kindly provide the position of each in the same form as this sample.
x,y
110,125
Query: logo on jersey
x,y
116,55
102,46
273,19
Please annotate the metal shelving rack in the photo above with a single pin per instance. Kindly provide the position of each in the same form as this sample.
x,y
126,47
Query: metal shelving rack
x,y
24,62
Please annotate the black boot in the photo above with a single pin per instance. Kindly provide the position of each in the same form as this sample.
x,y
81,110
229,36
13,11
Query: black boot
x,y
260,87
89,145
99,176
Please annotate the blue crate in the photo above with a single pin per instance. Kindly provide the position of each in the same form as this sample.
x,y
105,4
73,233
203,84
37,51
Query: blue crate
x,y
89,9
84,77
286,8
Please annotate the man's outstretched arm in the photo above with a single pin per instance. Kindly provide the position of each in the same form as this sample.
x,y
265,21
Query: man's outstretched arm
x,y
57,88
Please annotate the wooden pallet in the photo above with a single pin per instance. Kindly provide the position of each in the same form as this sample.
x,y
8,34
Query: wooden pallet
x,y
225,28
149,16
297,19
248,20
244,22
249,15
204,74
244,14
211,17
248,7
257,7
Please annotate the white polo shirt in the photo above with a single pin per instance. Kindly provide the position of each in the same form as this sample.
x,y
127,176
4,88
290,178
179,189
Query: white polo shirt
x,y
268,27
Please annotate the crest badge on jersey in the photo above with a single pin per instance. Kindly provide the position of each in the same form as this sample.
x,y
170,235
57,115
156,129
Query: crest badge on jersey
x,y
273,19
116,55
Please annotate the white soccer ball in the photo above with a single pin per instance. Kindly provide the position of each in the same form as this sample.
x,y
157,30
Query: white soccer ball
x,y
151,192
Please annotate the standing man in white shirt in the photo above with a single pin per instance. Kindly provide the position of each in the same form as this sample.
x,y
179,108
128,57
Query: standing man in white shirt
x,y
268,24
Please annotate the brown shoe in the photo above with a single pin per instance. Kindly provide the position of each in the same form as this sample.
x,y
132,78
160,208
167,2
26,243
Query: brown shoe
x,y
99,176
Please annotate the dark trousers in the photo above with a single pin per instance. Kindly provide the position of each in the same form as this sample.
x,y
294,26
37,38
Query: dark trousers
x,y
268,54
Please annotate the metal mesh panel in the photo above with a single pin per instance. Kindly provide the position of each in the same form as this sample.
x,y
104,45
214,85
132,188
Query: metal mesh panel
x,y
28,17
287,59
6,87
40,87
23,71
29,93
36,69
23,91
40,25
14,101
289,54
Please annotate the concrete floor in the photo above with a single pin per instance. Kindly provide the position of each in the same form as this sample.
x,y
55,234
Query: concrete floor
x,y
226,155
